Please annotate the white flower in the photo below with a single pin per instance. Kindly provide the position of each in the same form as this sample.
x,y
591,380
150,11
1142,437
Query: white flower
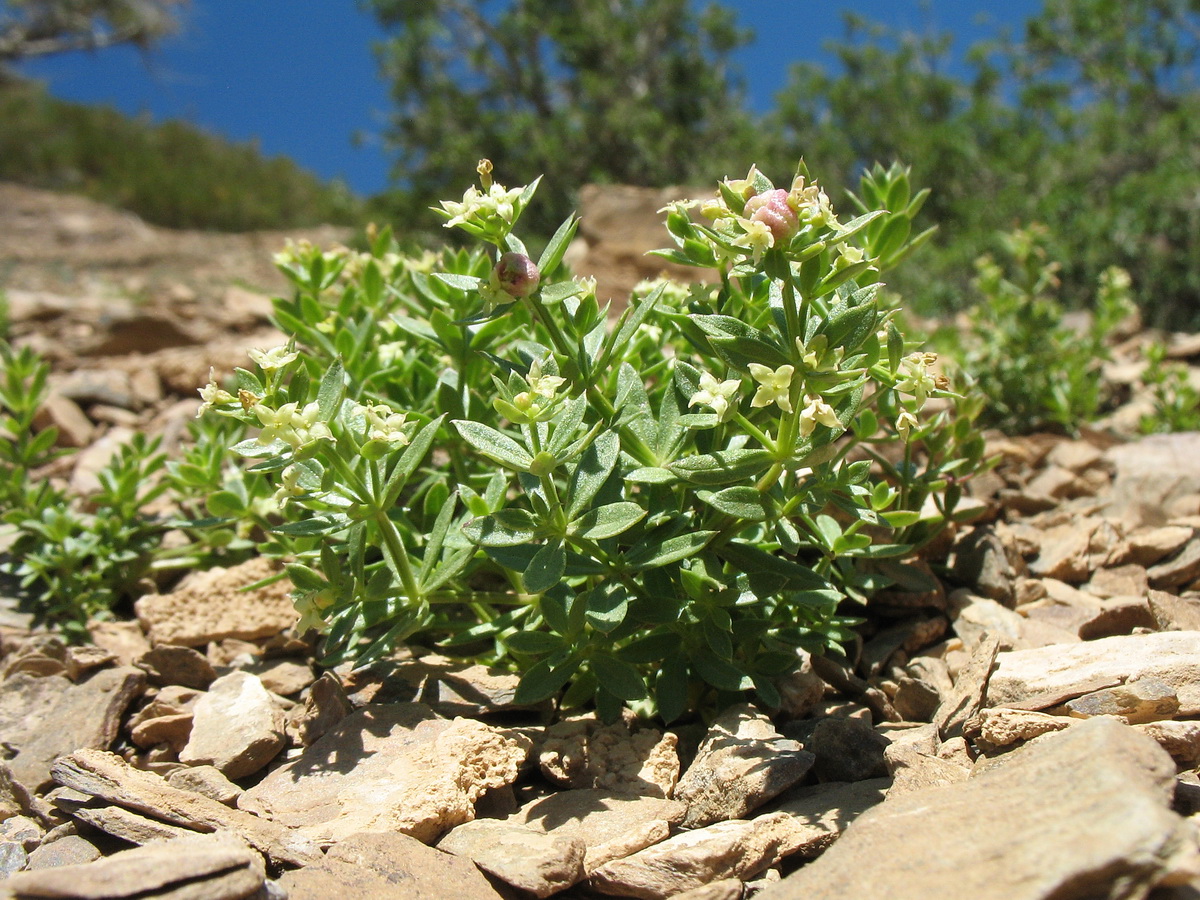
x,y
916,378
716,394
212,394
744,187
542,385
289,485
477,207
275,358
847,257
758,237
905,422
384,424
773,386
291,425
312,605
816,411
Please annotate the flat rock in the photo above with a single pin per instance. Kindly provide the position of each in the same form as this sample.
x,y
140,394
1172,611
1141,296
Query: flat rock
x,y
387,866
85,716
1137,702
1178,571
585,753
199,867
325,705
1172,657
611,826
1083,813
742,763
997,728
736,848
450,687
1172,613
68,850
536,862
212,605
208,781
821,812
390,767
236,726
177,665
970,687
1180,739
1150,474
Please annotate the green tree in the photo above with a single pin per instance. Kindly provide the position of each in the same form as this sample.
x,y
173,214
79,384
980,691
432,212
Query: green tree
x,y
631,91
30,28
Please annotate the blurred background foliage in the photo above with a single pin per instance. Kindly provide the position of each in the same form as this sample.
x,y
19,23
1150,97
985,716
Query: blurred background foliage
x,y
1086,120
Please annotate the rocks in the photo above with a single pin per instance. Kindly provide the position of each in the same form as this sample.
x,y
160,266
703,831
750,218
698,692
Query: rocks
x,y
847,749
390,767
212,605
583,753
236,727
742,763
536,862
1079,814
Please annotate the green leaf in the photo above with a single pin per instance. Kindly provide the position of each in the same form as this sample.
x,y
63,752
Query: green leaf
x,y
331,391
312,527
462,282
618,677
722,467
755,562
546,568
652,553
505,528
651,475
718,672
554,251
304,578
412,456
494,444
607,606
542,681
437,537
742,502
593,469
607,521
225,504
534,642
650,647
671,689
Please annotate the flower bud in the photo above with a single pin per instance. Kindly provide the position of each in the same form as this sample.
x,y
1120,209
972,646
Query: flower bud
x,y
516,275
772,209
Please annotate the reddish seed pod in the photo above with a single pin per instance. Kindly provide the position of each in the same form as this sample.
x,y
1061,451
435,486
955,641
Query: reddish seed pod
x,y
772,209
517,275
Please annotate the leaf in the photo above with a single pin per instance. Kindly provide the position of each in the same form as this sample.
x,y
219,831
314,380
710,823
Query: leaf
x,y
304,578
546,568
607,521
651,475
618,677
225,504
312,527
607,606
747,503
718,672
651,554
494,444
554,251
650,647
595,465
437,537
462,282
505,528
537,642
331,391
722,467
542,682
412,456
755,562
671,689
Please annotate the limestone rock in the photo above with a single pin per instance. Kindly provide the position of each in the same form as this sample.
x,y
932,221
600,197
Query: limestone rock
x,y
1079,814
998,727
1172,657
742,763
208,781
1180,739
610,826
387,866
236,727
1173,613
449,687
585,753
212,605
737,848
68,850
200,867
325,706
1152,473
388,767
536,862
86,715
913,770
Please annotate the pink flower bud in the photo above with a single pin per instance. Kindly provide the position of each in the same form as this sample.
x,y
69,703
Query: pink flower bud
x,y
516,275
772,209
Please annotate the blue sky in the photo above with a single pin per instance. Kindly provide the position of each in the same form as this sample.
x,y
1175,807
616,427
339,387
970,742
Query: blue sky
x,y
301,79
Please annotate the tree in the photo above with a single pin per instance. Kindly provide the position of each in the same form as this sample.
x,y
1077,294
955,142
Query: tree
x,y
630,91
30,28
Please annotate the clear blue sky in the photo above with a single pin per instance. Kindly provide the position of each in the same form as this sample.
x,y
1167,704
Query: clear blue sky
x,y
300,77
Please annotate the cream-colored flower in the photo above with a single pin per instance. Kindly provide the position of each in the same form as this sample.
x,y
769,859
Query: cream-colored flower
x,y
384,424
212,394
542,385
716,395
916,379
744,187
816,411
312,605
774,386
275,358
905,422
757,238
294,426
847,257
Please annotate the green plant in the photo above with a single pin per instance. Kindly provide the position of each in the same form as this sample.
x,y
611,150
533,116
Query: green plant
x,y
653,513
1176,400
1034,367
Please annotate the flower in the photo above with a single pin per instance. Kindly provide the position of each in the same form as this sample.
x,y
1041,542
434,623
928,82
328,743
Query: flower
x,y
916,378
289,485
905,422
275,358
816,411
773,386
847,257
291,425
744,187
212,395
716,394
312,605
383,424
481,208
542,385
757,237
772,209
811,204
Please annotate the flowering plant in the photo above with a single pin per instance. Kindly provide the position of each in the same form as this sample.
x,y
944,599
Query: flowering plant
x,y
651,510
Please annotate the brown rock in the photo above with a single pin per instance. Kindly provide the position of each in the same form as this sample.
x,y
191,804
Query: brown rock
x,y
998,727
449,687
325,706
1180,739
846,749
125,640
208,781
1079,814
1173,613
1128,580
913,770
1178,571
68,850
236,727
584,753
1138,701
211,605
387,866
284,677
610,826
388,767
75,429
177,665
129,826
821,812
969,689
1152,473
1150,545
86,715
537,862
1118,615
742,763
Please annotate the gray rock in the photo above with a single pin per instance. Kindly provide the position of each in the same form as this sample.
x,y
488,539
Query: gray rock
x,y
742,763
13,858
387,866
536,862
610,826
68,850
125,824
208,781
85,716
236,726
847,750
1078,814
390,767
1178,571
199,867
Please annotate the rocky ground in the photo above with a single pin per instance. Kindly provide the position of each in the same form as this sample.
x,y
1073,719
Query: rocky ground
x,y
1031,729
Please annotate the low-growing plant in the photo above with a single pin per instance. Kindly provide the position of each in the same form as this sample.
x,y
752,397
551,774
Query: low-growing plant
x,y
1034,367
1176,400
654,510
